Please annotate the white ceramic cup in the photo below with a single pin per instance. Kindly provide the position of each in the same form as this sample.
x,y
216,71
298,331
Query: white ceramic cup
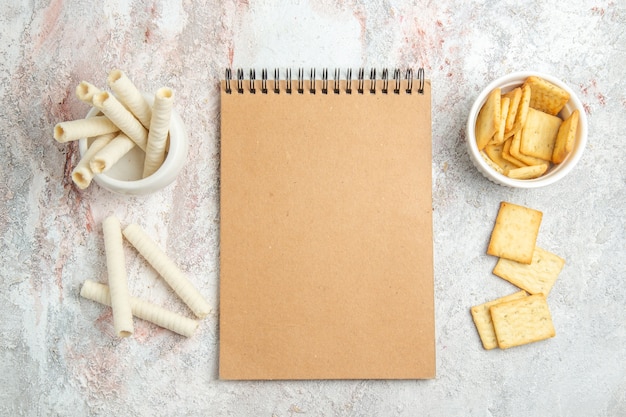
x,y
125,177
556,172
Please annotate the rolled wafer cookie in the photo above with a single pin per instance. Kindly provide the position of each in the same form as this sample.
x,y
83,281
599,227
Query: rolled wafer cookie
x,y
84,128
106,157
167,269
82,173
142,309
159,128
121,117
116,268
85,91
130,96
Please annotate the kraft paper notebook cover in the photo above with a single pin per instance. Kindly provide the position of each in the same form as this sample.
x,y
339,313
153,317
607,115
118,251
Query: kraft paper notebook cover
x,y
326,261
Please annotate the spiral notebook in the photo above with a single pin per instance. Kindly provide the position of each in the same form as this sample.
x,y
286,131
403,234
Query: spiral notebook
x,y
326,260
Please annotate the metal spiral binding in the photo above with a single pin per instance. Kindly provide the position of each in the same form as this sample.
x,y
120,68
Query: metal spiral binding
x,y
264,80
252,81
301,81
325,81
240,81
312,83
385,81
229,76
288,88
361,81
373,81
276,79
396,81
420,77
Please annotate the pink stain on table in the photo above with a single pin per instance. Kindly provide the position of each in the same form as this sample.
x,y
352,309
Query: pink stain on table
x,y
58,273
591,92
90,223
153,15
231,55
97,371
104,322
362,19
597,11
71,154
423,34
63,104
50,22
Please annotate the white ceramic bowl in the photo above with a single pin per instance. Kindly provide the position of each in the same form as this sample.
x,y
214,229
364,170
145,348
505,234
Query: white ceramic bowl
x,y
556,172
125,176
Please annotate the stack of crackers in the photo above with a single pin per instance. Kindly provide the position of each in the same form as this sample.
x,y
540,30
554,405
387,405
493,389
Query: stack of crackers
x,y
520,133
524,316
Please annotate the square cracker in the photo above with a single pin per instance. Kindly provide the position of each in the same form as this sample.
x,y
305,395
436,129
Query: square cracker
x,y
498,137
506,153
522,321
521,113
528,173
514,96
494,153
482,319
536,278
488,120
491,162
515,152
546,96
539,134
565,138
515,233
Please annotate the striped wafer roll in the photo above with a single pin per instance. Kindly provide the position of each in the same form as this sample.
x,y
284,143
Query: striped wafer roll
x,y
142,309
85,91
97,292
132,98
123,119
82,173
106,157
167,269
159,128
116,268
84,128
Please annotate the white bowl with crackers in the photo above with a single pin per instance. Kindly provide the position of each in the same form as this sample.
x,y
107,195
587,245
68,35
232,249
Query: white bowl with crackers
x,y
526,130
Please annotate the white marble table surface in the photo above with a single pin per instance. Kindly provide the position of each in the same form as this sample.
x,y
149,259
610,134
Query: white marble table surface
x,y
58,352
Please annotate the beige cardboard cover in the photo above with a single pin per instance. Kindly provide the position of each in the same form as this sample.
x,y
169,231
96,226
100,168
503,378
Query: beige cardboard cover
x,y
326,261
